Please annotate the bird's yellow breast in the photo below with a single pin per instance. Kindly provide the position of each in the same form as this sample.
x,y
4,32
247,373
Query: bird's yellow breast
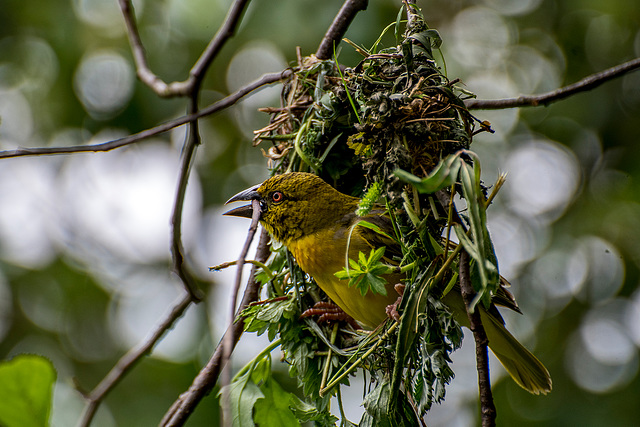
x,y
322,254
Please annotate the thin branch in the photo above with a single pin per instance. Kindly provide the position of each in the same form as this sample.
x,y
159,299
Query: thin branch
x,y
339,27
225,32
177,250
189,86
222,104
488,408
129,360
586,84
229,337
206,379
145,74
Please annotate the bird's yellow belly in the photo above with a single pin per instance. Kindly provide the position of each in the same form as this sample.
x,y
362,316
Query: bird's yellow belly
x,y
321,262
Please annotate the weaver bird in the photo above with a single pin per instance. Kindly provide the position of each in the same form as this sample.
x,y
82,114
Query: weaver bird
x,y
316,223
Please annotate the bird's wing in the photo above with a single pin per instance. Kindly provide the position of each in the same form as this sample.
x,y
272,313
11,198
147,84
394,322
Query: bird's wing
x,y
377,231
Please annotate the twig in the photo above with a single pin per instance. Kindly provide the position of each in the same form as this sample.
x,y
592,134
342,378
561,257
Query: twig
x,y
487,406
587,83
220,105
206,379
229,337
339,27
145,74
177,250
189,86
129,360
225,32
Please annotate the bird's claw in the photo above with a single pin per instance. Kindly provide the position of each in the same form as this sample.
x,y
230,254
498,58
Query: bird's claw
x,y
329,312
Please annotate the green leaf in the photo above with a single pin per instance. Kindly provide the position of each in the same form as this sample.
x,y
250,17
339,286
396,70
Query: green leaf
x,y
273,409
374,227
478,244
382,409
26,388
366,274
444,175
242,394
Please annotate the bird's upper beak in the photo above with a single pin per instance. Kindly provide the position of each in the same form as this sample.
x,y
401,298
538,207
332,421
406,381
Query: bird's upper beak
x,y
244,196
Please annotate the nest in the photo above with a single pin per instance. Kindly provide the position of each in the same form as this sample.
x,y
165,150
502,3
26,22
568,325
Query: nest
x,y
353,127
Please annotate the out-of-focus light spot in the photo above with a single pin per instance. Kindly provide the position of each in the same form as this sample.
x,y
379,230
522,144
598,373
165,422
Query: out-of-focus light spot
x,y
607,342
43,303
632,317
251,62
104,83
494,86
122,201
186,16
27,214
28,63
555,273
480,37
603,37
531,71
139,307
543,179
508,7
104,15
600,355
604,266
16,126
516,241
68,406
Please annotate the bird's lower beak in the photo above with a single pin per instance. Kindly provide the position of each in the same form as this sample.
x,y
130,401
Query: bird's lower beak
x,y
244,196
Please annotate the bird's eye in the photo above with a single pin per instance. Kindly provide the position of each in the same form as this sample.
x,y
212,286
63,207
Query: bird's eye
x,y
277,197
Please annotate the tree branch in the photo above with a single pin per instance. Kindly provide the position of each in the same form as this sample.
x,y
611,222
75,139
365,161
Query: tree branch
x,y
339,27
177,250
229,337
487,406
586,84
225,32
224,103
189,86
129,360
488,409
206,379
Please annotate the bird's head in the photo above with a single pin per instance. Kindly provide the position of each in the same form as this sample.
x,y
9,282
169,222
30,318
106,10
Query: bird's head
x,y
294,205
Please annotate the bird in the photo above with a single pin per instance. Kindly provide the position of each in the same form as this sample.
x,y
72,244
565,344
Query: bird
x,y
316,223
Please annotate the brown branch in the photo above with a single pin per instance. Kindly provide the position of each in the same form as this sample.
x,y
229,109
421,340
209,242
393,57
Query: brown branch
x,y
339,27
129,360
229,337
177,250
488,409
225,32
487,406
189,86
586,84
224,103
206,379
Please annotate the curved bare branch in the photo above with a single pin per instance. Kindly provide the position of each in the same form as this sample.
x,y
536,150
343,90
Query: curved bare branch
x,y
588,83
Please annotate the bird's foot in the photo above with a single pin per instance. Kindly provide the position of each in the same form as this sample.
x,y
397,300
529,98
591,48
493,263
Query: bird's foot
x,y
329,312
392,309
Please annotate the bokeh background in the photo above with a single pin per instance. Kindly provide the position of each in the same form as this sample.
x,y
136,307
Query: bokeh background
x,y
84,239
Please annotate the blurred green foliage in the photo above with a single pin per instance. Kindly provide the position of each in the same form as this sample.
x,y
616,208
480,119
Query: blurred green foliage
x,y
565,227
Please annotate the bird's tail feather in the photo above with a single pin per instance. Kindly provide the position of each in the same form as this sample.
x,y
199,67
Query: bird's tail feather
x,y
525,369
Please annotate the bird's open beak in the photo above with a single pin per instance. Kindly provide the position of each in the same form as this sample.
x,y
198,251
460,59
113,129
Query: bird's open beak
x,y
244,196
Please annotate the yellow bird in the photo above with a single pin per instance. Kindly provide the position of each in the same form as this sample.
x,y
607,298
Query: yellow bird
x,y
313,220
